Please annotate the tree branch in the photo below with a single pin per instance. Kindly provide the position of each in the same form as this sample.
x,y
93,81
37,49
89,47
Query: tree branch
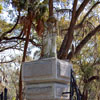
x,y
96,63
90,11
84,41
63,52
50,8
9,31
74,12
92,78
87,38
80,24
7,61
19,38
8,48
69,35
21,33
63,10
81,8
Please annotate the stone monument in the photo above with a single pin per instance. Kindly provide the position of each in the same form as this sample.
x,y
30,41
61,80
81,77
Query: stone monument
x,y
47,78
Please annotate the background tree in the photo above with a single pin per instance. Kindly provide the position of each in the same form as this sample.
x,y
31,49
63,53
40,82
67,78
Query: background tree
x,y
77,30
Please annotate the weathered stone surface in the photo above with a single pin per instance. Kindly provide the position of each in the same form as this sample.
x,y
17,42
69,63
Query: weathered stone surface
x,y
47,91
49,45
46,70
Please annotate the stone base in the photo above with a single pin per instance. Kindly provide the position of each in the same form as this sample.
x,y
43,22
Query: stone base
x,y
51,91
46,70
46,79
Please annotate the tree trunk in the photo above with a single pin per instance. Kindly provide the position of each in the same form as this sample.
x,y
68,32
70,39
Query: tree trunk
x,y
63,52
17,96
50,8
23,59
85,91
85,95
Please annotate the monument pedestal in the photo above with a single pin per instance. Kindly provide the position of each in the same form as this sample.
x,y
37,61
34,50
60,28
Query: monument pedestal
x,y
46,91
46,79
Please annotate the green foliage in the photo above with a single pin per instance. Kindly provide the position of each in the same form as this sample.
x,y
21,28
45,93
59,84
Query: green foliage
x,y
32,5
88,71
59,41
41,10
4,26
45,1
64,1
13,98
1,8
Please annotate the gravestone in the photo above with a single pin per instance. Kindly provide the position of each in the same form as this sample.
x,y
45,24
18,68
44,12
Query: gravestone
x,y
49,77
